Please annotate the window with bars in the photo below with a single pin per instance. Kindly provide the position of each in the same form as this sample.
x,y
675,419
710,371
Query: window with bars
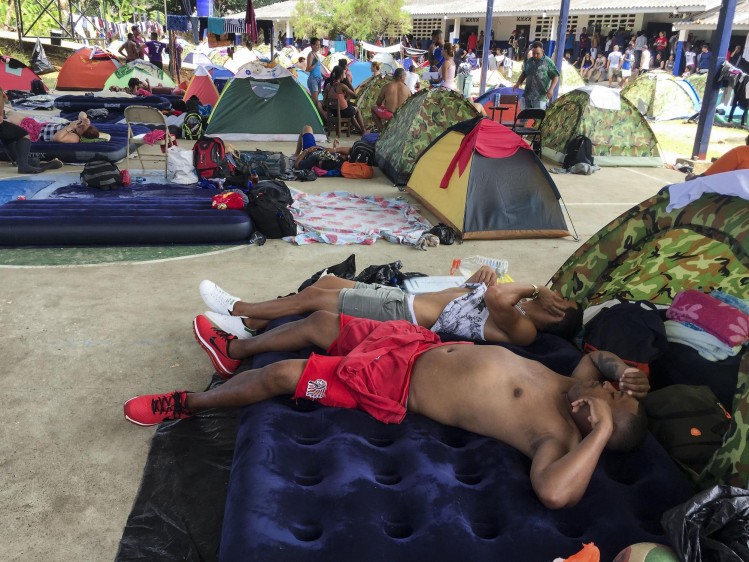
x,y
544,29
422,28
610,22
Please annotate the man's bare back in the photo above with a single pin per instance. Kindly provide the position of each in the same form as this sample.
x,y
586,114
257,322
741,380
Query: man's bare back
x,y
394,95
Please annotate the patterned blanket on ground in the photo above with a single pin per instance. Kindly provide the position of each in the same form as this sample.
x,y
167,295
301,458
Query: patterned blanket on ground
x,y
342,218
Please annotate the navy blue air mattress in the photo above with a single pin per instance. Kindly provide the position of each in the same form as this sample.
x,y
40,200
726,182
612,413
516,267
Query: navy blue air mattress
x,y
115,221
82,103
79,152
319,484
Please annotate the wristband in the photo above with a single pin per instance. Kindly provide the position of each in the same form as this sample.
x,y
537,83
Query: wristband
x,y
534,296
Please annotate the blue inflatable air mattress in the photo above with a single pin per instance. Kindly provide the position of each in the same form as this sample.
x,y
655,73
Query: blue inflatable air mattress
x,y
82,103
114,116
115,221
80,152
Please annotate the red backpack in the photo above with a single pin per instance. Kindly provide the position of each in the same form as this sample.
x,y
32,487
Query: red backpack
x,y
207,155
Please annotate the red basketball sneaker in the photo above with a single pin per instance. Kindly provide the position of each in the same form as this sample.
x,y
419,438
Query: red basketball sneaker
x,y
152,409
216,344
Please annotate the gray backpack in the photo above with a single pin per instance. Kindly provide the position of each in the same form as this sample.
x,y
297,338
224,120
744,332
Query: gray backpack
x,y
101,174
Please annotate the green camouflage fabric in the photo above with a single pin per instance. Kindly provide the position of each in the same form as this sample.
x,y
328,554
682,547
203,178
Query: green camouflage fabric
x,y
570,78
613,133
730,463
332,60
650,254
420,120
698,82
658,95
367,96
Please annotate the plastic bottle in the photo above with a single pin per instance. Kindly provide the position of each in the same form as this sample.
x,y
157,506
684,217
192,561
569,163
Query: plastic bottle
x,y
254,178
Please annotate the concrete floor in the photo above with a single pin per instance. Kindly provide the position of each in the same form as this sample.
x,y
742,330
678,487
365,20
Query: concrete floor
x,y
78,341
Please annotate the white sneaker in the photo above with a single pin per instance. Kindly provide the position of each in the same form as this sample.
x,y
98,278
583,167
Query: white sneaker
x,y
216,298
231,324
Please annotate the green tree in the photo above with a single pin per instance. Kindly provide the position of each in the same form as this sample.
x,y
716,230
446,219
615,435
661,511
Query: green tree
x,y
359,19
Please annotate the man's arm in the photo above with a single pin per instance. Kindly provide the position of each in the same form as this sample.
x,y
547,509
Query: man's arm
x,y
3,98
521,79
501,300
550,91
604,365
559,475
380,96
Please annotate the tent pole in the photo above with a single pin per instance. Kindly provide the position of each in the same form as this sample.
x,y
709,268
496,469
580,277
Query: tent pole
x,y
719,45
19,24
564,12
487,43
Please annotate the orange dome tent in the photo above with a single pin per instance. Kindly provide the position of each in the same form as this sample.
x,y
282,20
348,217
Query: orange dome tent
x,y
87,69
202,86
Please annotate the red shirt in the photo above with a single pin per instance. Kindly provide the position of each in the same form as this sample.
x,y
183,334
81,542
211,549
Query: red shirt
x,y
660,43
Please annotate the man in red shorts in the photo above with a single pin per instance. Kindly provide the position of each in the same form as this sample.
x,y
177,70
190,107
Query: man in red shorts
x,y
390,98
387,368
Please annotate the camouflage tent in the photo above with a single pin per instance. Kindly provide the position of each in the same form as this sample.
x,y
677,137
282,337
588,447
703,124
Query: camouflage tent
x,y
662,96
570,78
620,135
698,82
651,253
367,95
423,118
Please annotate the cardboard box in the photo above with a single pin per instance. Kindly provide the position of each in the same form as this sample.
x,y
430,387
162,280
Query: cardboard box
x,y
698,166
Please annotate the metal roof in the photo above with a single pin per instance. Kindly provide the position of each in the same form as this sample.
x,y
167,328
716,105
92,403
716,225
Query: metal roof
x,y
709,19
473,8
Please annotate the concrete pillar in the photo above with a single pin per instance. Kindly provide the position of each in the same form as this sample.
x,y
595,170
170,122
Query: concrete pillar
x,y
288,29
457,28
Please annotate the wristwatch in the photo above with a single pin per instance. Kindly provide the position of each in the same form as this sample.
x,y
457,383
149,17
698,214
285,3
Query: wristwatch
x,y
534,296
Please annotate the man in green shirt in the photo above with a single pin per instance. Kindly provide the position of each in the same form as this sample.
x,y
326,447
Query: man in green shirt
x,y
540,75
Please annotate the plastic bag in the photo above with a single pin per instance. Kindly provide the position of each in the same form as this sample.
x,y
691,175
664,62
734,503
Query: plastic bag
x,y
345,270
388,274
469,265
712,526
180,167
444,233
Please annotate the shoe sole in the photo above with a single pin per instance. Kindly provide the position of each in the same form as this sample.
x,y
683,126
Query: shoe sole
x,y
220,369
131,420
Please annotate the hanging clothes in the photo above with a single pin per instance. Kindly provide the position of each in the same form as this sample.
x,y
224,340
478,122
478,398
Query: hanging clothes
x,y
178,23
235,25
216,26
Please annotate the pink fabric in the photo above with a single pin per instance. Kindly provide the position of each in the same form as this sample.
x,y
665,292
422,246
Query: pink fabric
x,y
33,128
725,322
319,172
154,136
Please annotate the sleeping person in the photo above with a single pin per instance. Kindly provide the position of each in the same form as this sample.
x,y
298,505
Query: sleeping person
x,y
64,131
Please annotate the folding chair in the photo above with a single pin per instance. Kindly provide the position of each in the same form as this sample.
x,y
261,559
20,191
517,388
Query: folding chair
x,y
506,102
335,120
138,114
530,134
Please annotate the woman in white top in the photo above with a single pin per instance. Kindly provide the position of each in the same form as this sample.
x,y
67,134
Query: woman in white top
x,y
447,71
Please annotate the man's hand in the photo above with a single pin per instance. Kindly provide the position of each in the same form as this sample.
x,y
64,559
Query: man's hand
x,y
634,382
599,414
485,275
551,301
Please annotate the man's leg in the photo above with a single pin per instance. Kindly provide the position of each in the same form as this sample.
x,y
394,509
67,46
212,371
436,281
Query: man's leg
x,y
226,351
248,387
376,119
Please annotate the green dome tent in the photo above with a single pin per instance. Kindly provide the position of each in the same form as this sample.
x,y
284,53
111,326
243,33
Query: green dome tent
x,y
143,70
264,103
367,95
662,96
698,82
620,135
417,123
651,253
570,78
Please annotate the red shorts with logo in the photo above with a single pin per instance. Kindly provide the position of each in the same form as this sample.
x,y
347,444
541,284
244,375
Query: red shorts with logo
x,y
382,112
367,367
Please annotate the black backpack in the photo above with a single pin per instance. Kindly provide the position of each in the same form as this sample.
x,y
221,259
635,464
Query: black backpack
x,y
269,209
362,151
101,174
37,87
689,421
579,151
192,126
207,155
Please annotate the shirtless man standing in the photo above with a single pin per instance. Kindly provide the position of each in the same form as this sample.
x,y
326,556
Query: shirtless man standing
x,y
390,98
480,310
386,368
